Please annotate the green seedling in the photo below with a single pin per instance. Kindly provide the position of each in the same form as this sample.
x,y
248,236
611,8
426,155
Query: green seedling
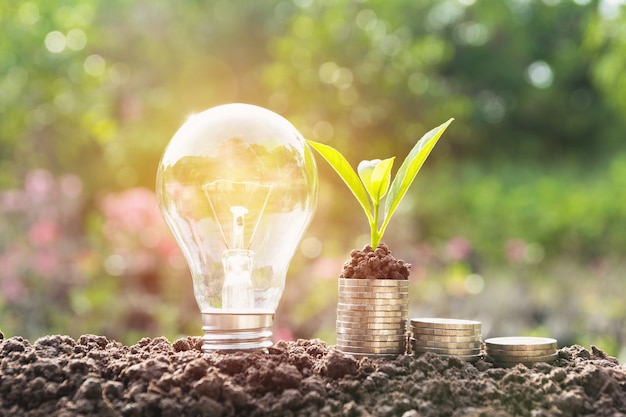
x,y
373,181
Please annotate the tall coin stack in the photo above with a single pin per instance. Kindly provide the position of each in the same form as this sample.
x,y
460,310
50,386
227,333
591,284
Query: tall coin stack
x,y
510,351
372,316
446,337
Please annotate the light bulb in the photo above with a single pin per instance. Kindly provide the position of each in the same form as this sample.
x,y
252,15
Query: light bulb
x,y
237,186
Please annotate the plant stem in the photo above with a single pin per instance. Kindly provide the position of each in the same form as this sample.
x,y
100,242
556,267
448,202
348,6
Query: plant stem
x,y
374,226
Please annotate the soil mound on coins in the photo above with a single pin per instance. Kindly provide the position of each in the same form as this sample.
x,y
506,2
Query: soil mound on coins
x,y
378,263
95,376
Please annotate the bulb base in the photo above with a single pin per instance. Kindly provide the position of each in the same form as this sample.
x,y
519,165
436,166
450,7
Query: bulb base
x,y
236,331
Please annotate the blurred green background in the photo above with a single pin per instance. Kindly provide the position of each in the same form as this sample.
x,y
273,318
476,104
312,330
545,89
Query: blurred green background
x,y
517,219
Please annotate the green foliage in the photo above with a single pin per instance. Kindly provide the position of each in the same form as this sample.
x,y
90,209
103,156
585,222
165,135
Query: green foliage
x,y
605,41
562,210
374,177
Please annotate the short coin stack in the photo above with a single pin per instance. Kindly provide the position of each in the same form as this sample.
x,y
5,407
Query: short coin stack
x,y
446,337
510,351
372,316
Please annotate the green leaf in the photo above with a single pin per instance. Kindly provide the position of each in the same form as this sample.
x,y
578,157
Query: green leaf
x,y
409,169
376,176
365,170
341,165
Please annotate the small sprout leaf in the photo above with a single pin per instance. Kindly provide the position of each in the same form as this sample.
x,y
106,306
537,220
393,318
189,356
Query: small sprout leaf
x,y
376,176
339,163
409,169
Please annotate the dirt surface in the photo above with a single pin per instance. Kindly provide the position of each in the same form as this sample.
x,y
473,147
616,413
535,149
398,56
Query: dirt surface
x,y
378,263
95,376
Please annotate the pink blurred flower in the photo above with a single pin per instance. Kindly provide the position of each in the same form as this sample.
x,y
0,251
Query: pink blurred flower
x,y
12,201
599,267
423,254
132,210
283,333
131,109
10,262
328,268
134,225
458,248
39,185
43,233
11,287
71,185
515,250
46,264
12,290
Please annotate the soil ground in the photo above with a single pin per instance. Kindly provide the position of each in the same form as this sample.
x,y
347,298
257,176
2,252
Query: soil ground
x,y
95,376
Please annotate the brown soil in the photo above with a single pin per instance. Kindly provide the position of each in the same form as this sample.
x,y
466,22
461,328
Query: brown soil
x,y
95,376
378,263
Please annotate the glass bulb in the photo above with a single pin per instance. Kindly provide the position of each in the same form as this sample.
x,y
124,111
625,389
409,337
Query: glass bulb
x,y
237,186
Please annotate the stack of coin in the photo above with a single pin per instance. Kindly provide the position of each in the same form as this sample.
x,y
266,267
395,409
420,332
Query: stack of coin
x,y
510,351
446,337
372,316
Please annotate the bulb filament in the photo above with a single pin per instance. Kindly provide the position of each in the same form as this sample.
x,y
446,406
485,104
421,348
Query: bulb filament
x,y
238,223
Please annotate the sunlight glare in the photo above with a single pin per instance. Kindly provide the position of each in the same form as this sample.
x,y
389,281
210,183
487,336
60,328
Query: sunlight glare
x,y
539,74
55,42
94,65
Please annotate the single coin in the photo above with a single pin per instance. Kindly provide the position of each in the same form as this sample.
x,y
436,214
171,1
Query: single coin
x,y
444,323
521,343
373,301
402,287
372,342
390,314
373,294
373,308
359,288
542,358
445,345
445,332
362,306
366,327
374,282
373,320
443,351
383,292
389,331
452,339
369,338
467,358
369,298
372,326
351,316
517,353
359,340
373,314
368,332
363,344
503,364
373,355
371,350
